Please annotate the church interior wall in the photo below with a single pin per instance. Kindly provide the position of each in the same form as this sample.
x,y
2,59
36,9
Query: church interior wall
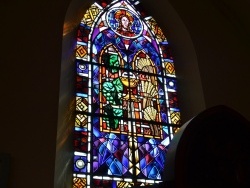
x,y
211,60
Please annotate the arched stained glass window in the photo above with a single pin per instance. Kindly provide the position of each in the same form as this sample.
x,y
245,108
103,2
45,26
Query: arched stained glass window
x,y
126,103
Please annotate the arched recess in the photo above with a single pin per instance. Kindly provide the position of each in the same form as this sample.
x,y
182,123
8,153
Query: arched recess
x,y
75,12
190,91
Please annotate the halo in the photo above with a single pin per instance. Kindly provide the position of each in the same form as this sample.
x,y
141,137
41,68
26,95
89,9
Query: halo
x,y
120,13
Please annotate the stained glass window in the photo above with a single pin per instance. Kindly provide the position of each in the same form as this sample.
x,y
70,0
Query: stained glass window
x,y
126,101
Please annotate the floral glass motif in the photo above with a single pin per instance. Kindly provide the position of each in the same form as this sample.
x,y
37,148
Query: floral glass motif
x,y
126,101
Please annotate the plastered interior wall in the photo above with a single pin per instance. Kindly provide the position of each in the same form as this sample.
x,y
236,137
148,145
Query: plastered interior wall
x,y
211,56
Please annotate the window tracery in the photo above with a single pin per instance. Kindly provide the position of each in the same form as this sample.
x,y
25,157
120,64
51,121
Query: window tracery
x,y
126,101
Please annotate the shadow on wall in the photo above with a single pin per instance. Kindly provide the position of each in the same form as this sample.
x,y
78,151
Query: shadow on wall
x,y
210,150
4,169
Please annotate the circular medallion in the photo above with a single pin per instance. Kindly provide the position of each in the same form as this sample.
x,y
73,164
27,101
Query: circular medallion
x,y
124,22
80,163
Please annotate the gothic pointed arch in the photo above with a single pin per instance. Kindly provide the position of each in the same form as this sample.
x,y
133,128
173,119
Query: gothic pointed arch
x,y
126,102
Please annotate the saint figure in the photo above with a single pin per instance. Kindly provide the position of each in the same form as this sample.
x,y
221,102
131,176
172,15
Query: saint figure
x,y
125,21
